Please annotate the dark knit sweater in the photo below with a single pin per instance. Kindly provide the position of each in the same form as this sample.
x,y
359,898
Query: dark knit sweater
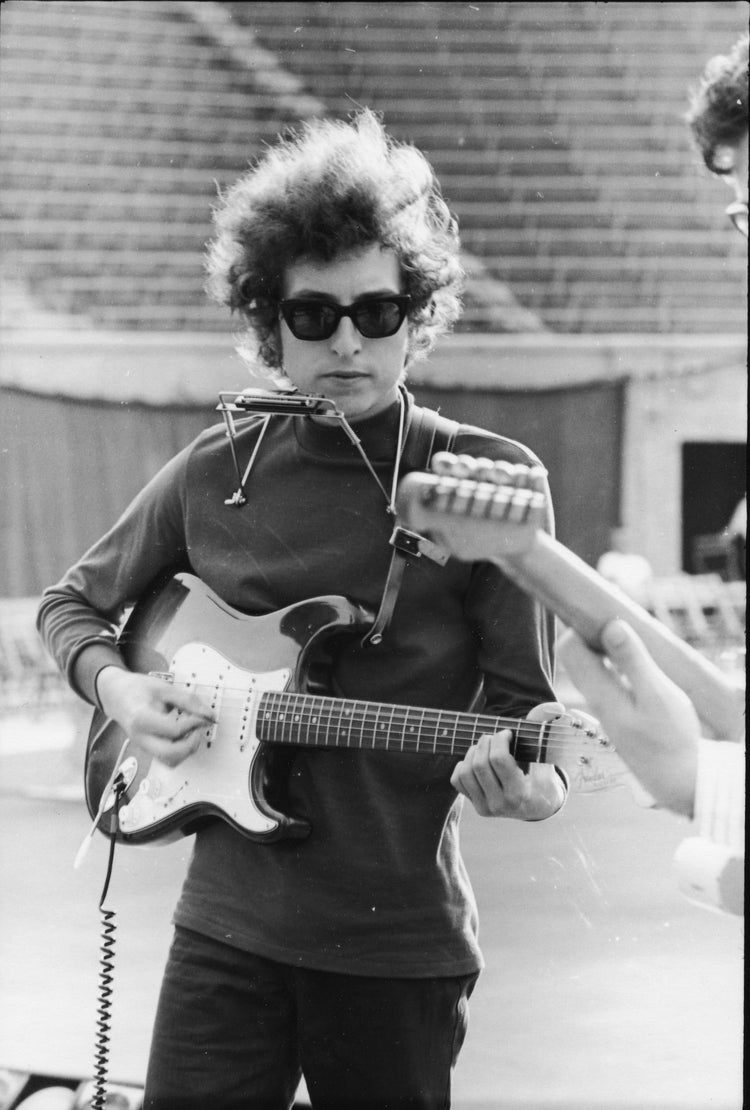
x,y
379,887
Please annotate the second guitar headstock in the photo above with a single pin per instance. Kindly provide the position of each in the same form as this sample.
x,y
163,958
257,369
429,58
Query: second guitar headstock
x,y
475,508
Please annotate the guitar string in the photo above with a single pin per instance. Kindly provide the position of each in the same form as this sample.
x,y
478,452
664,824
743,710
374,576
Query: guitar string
x,y
553,748
356,719
298,702
314,705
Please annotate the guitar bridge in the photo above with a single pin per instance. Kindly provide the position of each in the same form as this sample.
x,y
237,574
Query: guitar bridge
x,y
165,676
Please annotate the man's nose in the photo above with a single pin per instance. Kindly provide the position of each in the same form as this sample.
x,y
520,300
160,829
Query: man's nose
x,y
346,340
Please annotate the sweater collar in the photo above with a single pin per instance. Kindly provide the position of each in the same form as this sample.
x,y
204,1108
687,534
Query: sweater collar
x,y
377,434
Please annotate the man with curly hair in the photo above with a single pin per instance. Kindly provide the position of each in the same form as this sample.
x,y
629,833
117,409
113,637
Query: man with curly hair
x,y
651,720
718,121
347,956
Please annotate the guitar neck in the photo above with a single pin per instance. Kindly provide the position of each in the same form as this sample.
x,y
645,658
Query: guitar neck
x,y
586,602
307,719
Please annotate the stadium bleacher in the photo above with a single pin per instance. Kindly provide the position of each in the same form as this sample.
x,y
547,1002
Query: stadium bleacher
x,y
555,129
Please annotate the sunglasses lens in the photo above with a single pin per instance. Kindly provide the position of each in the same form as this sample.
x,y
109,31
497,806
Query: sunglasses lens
x,y
311,320
374,319
378,319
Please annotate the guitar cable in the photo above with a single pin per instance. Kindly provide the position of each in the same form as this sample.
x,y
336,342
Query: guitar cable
x,y
106,967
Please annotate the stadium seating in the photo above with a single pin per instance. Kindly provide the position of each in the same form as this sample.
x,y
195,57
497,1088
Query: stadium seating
x,y
555,129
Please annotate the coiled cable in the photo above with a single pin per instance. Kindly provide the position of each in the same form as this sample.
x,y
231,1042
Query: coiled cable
x,y
106,967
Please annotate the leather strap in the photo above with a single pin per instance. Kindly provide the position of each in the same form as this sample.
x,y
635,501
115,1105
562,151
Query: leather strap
x,y
428,433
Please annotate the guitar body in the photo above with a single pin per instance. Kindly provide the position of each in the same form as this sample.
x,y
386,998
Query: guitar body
x,y
267,681
233,775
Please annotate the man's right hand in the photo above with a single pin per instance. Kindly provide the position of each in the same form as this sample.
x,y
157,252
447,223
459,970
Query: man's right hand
x,y
651,721
164,720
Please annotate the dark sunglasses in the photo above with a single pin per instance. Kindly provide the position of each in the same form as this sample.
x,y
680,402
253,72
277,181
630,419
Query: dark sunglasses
x,y
374,318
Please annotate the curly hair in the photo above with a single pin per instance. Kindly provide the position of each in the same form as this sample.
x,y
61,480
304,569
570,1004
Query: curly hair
x,y
320,193
718,109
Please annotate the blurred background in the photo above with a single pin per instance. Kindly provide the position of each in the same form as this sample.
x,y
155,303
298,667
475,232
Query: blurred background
x,y
605,326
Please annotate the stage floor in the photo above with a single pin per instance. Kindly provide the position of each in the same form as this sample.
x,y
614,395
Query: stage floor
x,y
604,989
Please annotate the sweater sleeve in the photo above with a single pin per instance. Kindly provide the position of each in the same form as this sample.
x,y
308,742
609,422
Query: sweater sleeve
x,y
78,617
710,864
515,632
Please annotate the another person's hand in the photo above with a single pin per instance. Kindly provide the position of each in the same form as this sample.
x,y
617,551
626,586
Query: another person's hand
x,y
164,720
650,720
497,786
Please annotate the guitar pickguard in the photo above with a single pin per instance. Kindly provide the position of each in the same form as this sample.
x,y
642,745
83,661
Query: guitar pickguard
x,y
219,774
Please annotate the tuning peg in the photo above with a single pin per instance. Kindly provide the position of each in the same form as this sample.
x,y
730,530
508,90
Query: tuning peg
x,y
442,463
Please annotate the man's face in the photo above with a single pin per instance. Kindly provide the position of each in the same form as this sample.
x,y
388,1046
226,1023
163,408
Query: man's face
x,y
360,375
734,163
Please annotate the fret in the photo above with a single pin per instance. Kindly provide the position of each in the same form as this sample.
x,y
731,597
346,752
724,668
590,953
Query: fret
x,y
267,715
345,716
315,721
443,733
420,729
438,733
376,725
297,722
297,710
321,721
429,731
368,721
364,724
278,725
389,730
454,740
465,723
274,722
413,730
542,738
327,722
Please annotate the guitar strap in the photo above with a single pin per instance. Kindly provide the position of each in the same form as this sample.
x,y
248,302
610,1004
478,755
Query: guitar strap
x,y
428,433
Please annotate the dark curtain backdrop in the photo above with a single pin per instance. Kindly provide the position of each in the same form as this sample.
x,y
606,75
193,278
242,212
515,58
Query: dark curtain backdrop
x,y
70,467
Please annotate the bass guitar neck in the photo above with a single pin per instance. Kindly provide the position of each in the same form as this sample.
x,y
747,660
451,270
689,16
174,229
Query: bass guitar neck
x,y
490,519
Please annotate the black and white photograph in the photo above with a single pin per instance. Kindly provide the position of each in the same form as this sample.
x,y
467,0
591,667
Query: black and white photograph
x,y
373,426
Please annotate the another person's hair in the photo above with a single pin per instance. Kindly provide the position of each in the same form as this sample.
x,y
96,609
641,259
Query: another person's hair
x,y
718,107
320,193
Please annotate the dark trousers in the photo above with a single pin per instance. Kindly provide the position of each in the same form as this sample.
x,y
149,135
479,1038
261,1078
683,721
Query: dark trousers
x,y
235,1032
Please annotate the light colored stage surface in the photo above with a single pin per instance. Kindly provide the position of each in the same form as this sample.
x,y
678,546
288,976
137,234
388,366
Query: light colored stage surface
x,y
603,990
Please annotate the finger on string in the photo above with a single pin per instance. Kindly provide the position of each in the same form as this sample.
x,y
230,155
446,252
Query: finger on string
x,y
187,701
181,725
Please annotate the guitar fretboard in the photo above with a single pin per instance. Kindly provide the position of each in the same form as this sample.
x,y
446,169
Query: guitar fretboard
x,y
285,718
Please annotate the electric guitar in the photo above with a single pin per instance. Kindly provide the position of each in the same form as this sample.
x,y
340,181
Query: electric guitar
x,y
266,678
480,510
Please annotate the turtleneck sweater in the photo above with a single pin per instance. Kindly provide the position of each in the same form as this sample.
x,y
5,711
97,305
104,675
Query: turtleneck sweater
x,y
378,887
